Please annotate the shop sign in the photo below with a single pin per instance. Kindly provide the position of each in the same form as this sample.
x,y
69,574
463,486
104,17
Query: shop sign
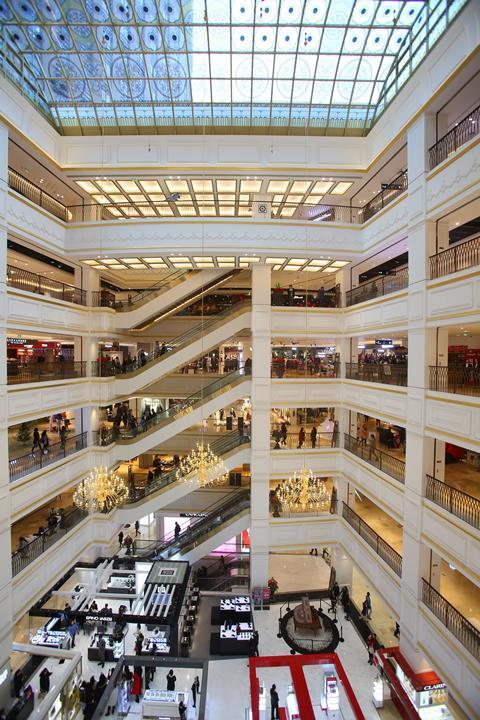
x,y
437,686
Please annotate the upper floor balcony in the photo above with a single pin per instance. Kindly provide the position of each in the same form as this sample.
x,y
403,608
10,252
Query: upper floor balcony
x,y
455,379
109,210
457,137
380,286
39,284
461,256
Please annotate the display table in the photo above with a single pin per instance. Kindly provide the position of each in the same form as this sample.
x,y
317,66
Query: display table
x,y
235,640
236,609
113,651
121,584
162,703
160,641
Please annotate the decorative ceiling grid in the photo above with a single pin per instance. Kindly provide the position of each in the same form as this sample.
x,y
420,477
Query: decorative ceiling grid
x,y
98,66
200,262
178,196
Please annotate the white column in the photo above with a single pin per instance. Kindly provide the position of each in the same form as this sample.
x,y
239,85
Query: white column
x,y
422,352
5,519
260,452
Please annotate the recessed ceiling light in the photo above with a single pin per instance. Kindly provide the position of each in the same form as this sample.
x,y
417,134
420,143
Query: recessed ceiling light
x,y
226,185
180,258
87,186
321,187
186,210
292,268
150,186
158,266
250,186
107,186
276,267
116,267
137,266
310,268
277,186
202,258
130,260
300,186
118,198
226,265
157,197
330,270
224,258
207,210
341,188
128,186
152,259
101,199
110,261
297,261
137,198
249,259
147,211
274,261
227,210
339,263
202,186
88,262
180,186
288,211
164,210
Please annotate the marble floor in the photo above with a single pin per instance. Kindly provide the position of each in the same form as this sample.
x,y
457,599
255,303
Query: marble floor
x,y
294,571
380,521
17,448
30,523
461,593
383,620
464,477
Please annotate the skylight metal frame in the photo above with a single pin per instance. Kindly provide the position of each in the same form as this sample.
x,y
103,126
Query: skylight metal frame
x,y
93,66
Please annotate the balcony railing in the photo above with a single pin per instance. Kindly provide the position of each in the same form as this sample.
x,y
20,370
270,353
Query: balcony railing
x,y
455,379
282,368
32,192
25,280
371,372
454,621
389,464
32,550
30,372
326,298
377,288
377,543
291,441
38,458
385,196
458,257
466,507
466,129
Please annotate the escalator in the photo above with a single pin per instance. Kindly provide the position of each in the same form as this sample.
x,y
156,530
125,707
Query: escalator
x,y
221,521
174,291
167,488
139,436
197,341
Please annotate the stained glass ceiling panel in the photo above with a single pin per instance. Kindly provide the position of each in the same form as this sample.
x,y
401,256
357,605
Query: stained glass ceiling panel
x,y
292,66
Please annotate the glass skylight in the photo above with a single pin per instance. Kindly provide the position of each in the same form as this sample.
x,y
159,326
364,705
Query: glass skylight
x,y
318,66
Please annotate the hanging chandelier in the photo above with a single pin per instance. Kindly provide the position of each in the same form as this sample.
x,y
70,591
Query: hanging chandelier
x,y
202,465
101,491
303,492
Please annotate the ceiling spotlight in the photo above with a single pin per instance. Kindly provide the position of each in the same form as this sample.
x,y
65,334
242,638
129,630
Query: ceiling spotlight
x,y
174,197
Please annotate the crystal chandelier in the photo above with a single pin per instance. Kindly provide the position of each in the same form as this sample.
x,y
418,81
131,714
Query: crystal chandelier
x,y
101,491
203,465
303,492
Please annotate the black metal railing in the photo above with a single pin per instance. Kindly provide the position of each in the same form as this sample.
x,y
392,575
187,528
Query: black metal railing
x,y
32,192
35,371
220,447
377,543
464,506
455,379
284,368
389,464
107,368
35,548
107,298
383,285
38,458
329,297
32,282
136,426
452,619
385,196
388,374
192,534
464,131
458,257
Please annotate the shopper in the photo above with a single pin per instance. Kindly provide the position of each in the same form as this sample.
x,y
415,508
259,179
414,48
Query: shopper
x,y
112,701
45,681
274,702
254,643
363,433
368,606
371,643
301,438
177,530
313,437
194,694
36,440
182,710
120,538
128,542
44,442
101,645
291,295
372,447
137,528
100,688
72,631
63,437
171,680
284,432
137,683
345,600
397,630
18,682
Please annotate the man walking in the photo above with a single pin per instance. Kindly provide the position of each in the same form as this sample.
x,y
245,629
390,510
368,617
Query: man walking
x,y
274,701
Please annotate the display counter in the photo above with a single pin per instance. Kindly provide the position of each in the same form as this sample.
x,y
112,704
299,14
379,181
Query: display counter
x,y
160,640
113,651
235,639
236,609
121,584
162,703
291,705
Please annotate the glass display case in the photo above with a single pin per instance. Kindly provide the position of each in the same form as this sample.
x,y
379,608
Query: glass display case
x,y
162,703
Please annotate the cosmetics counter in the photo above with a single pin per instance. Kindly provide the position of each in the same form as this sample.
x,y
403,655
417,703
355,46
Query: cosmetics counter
x,y
234,615
162,703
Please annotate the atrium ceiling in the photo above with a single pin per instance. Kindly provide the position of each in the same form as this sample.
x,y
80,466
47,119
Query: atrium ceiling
x,y
191,66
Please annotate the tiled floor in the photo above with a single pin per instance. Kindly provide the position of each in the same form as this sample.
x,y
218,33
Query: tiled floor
x,y
461,593
17,449
294,571
30,524
463,477
383,620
